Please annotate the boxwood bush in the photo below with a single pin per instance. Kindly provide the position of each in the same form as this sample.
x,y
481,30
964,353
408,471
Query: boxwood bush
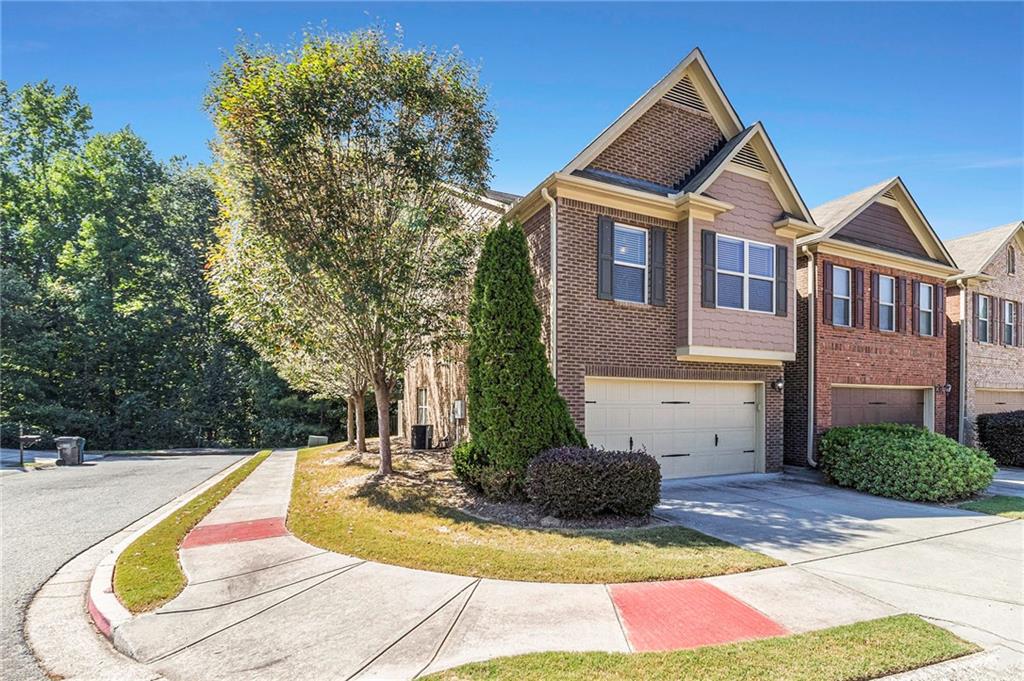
x,y
576,482
904,462
1002,436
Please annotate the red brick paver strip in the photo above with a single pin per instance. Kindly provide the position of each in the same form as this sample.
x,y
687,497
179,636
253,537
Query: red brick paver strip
x,y
225,533
686,614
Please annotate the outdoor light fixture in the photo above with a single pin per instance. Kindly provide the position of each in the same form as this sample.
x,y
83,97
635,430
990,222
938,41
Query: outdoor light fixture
x,y
778,385
945,388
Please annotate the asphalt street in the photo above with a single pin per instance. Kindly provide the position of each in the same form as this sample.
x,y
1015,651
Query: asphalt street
x,y
51,515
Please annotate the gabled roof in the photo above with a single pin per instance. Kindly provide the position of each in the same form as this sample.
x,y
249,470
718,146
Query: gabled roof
x,y
836,214
975,251
696,69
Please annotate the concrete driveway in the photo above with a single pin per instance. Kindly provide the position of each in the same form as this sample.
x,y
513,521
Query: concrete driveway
x,y
961,568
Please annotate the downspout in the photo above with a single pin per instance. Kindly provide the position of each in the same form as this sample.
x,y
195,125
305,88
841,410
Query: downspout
x,y
553,278
962,389
812,294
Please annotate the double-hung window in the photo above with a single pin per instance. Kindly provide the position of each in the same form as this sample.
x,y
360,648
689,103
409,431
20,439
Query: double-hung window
x,y
422,410
886,303
745,274
629,281
842,304
926,309
984,320
1009,322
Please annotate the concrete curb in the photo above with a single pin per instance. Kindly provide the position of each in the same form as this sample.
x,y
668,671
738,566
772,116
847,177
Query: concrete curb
x,y
106,611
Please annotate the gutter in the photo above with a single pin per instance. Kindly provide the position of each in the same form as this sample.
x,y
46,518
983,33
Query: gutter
x,y
812,286
553,276
963,361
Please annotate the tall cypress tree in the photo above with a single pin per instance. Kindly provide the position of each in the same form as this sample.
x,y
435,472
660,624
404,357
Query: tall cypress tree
x,y
515,411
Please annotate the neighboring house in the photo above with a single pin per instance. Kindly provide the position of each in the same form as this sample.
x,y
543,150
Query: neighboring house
x,y
987,353
871,289
665,257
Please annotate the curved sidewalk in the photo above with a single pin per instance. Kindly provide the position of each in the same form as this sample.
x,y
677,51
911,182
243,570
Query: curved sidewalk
x,y
263,604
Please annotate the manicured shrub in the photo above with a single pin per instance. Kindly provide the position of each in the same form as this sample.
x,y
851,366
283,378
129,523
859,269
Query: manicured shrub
x,y
515,411
468,462
1002,436
575,482
904,462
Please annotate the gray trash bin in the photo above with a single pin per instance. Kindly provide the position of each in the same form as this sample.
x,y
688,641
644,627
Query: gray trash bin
x,y
70,450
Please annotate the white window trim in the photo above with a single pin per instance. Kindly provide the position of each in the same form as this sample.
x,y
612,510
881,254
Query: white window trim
x,y
847,298
422,410
745,274
985,320
930,309
881,304
644,267
1009,320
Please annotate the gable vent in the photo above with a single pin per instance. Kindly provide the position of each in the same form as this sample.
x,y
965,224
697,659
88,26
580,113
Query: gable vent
x,y
686,94
889,195
749,158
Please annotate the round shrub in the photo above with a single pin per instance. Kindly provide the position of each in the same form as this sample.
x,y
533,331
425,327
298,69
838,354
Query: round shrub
x,y
904,462
468,460
1002,436
576,482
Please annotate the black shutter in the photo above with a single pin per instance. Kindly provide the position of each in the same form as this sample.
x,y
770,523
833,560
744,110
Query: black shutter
x,y
874,301
826,292
915,309
995,313
605,245
901,304
1017,307
707,268
657,266
940,310
781,281
858,298
975,318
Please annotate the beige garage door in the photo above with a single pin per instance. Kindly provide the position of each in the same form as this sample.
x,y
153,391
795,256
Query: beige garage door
x,y
857,406
997,401
690,428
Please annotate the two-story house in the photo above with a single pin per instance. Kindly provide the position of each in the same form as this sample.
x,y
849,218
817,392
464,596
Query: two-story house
x,y
985,348
871,327
665,254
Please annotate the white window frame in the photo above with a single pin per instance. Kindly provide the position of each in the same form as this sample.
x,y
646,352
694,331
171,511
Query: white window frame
x,y
422,408
930,331
883,304
745,274
1009,322
985,322
847,298
644,267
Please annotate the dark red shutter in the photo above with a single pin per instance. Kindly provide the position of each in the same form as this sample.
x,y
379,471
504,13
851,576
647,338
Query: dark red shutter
x,y
1019,325
975,319
826,292
781,281
901,304
874,301
707,268
997,319
939,315
915,309
605,246
858,298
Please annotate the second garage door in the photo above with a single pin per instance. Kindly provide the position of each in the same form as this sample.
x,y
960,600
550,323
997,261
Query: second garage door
x,y
857,406
998,401
691,428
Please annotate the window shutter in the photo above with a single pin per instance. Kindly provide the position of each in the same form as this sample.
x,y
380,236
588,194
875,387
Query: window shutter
x,y
874,301
939,316
605,245
858,298
781,281
707,268
657,266
901,304
915,309
826,293
1020,327
976,320
996,316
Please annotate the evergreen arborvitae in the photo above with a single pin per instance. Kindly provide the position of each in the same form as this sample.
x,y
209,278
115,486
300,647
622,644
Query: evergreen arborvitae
x,y
515,411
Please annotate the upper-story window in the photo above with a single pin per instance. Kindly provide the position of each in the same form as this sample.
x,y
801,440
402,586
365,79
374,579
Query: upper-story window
x,y
841,296
984,320
745,275
1011,260
1009,322
926,309
629,283
886,303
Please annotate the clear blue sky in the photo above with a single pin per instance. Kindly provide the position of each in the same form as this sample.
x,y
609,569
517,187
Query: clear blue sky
x,y
850,93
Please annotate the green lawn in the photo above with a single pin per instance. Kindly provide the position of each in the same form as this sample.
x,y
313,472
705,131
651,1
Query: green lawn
x,y
147,573
406,525
1007,507
865,650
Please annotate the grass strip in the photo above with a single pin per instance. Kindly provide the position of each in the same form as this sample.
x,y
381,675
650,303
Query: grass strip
x,y
147,573
407,526
1005,506
865,650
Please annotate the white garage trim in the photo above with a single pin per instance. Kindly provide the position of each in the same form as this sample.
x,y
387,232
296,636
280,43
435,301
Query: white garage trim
x,y
928,416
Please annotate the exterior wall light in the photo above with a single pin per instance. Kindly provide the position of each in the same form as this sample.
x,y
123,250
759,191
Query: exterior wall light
x,y
778,385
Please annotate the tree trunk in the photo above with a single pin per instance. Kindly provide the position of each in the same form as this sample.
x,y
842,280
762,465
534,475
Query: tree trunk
x,y
382,393
360,405
350,426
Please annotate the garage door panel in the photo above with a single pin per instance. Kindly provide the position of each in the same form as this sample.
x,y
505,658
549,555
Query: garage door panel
x,y
853,406
991,401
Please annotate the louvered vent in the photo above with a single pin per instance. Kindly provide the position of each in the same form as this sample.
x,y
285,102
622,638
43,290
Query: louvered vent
x,y
686,94
749,158
889,195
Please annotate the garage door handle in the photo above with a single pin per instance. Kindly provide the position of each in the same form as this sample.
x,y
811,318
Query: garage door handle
x,y
673,402
749,451
716,439
670,456
878,403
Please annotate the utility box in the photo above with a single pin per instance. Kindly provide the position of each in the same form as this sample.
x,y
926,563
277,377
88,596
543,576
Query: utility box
x,y
316,440
70,450
422,436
